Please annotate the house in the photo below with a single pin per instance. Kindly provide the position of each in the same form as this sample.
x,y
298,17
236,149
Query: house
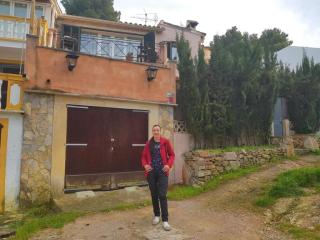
x,y
16,20
90,102
292,56
170,32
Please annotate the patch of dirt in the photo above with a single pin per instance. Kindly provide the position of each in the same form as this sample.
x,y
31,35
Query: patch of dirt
x,y
225,213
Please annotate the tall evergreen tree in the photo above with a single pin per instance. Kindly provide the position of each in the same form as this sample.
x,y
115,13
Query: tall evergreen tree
x,y
188,96
303,94
202,75
101,9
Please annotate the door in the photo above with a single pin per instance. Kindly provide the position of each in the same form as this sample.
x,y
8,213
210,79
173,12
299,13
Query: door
x,y
104,147
3,154
280,113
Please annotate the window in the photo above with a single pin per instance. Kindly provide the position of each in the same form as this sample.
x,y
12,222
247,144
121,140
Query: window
x,y
39,12
20,10
88,43
172,51
10,68
4,8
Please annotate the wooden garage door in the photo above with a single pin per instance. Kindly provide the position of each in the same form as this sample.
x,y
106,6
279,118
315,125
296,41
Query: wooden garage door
x,y
104,147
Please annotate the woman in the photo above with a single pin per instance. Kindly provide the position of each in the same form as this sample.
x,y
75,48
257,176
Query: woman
x,y
157,160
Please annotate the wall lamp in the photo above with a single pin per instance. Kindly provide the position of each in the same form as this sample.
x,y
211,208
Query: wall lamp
x,y
72,59
151,72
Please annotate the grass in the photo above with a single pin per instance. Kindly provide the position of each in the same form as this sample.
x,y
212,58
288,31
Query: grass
x,y
290,184
238,149
46,216
315,152
185,192
300,233
30,225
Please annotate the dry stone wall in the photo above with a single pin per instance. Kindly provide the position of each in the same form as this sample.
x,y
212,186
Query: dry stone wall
x,y
201,165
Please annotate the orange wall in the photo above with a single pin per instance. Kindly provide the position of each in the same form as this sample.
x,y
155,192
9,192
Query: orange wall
x,y
95,75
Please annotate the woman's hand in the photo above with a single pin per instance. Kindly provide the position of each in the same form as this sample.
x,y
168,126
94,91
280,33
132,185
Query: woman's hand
x,y
166,168
147,167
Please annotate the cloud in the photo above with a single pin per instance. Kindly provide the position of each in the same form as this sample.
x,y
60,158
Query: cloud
x,y
300,19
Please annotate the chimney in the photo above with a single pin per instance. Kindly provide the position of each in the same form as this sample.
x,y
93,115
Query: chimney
x,y
191,24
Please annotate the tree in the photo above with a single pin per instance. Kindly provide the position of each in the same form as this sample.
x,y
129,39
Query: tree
x,y
203,85
231,100
302,91
188,97
101,9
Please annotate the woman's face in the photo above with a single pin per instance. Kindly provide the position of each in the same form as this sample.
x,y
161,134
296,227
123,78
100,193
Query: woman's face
x,y
156,132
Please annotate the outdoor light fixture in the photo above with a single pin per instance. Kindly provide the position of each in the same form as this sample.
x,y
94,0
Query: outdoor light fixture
x,y
72,60
152,72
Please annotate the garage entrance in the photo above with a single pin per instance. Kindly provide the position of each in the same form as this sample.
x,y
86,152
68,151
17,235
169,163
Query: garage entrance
x,y
104,147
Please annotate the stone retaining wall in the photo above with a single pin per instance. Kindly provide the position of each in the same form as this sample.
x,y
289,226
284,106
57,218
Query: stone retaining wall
x,y
36,149
200,166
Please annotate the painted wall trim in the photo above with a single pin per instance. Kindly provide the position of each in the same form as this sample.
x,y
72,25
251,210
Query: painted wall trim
x,y
99,97
3,157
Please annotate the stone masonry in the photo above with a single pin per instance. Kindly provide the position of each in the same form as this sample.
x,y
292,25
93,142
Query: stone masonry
x,y
36,149
166,122
201,165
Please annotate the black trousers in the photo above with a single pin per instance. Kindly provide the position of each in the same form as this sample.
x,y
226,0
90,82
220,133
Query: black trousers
x,y
158,185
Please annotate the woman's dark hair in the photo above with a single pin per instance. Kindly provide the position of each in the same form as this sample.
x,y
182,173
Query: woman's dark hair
x,y
156,125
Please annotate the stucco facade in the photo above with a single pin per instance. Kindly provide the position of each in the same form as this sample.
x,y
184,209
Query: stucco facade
x,y
95,82
12,175
170,32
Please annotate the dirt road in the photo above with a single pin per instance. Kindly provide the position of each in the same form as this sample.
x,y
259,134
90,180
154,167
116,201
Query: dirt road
x,y
226,213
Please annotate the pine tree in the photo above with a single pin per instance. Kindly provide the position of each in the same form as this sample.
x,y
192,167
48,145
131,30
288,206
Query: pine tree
x,y
101,9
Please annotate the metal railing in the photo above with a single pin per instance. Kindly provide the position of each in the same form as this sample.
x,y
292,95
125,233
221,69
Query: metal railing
x,y
125,49
14,28
11,92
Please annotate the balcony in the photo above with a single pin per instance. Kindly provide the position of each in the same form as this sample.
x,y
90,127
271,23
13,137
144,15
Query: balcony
x,y
116,48
11,93
14,28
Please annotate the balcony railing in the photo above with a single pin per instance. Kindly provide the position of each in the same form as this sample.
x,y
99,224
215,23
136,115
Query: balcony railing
x,y
124,49
14,28
11,93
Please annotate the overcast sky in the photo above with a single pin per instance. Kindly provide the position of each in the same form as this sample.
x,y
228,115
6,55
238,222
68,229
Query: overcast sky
x,y
299,18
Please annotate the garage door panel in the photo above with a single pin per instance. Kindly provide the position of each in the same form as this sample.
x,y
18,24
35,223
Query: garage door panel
x,y
121,132
76,159
78,125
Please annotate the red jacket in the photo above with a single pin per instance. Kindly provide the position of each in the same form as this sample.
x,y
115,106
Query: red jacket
x,y
166,151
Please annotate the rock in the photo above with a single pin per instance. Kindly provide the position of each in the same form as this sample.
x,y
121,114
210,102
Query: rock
x,y
131,189
235,165
310,143
203,173
85,194
203,154
230,156
188,155
282,205
186,174
6,233
28,135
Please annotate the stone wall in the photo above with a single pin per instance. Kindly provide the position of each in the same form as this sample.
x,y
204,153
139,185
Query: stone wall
x,y
166,121
36,149
306,141
200,166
